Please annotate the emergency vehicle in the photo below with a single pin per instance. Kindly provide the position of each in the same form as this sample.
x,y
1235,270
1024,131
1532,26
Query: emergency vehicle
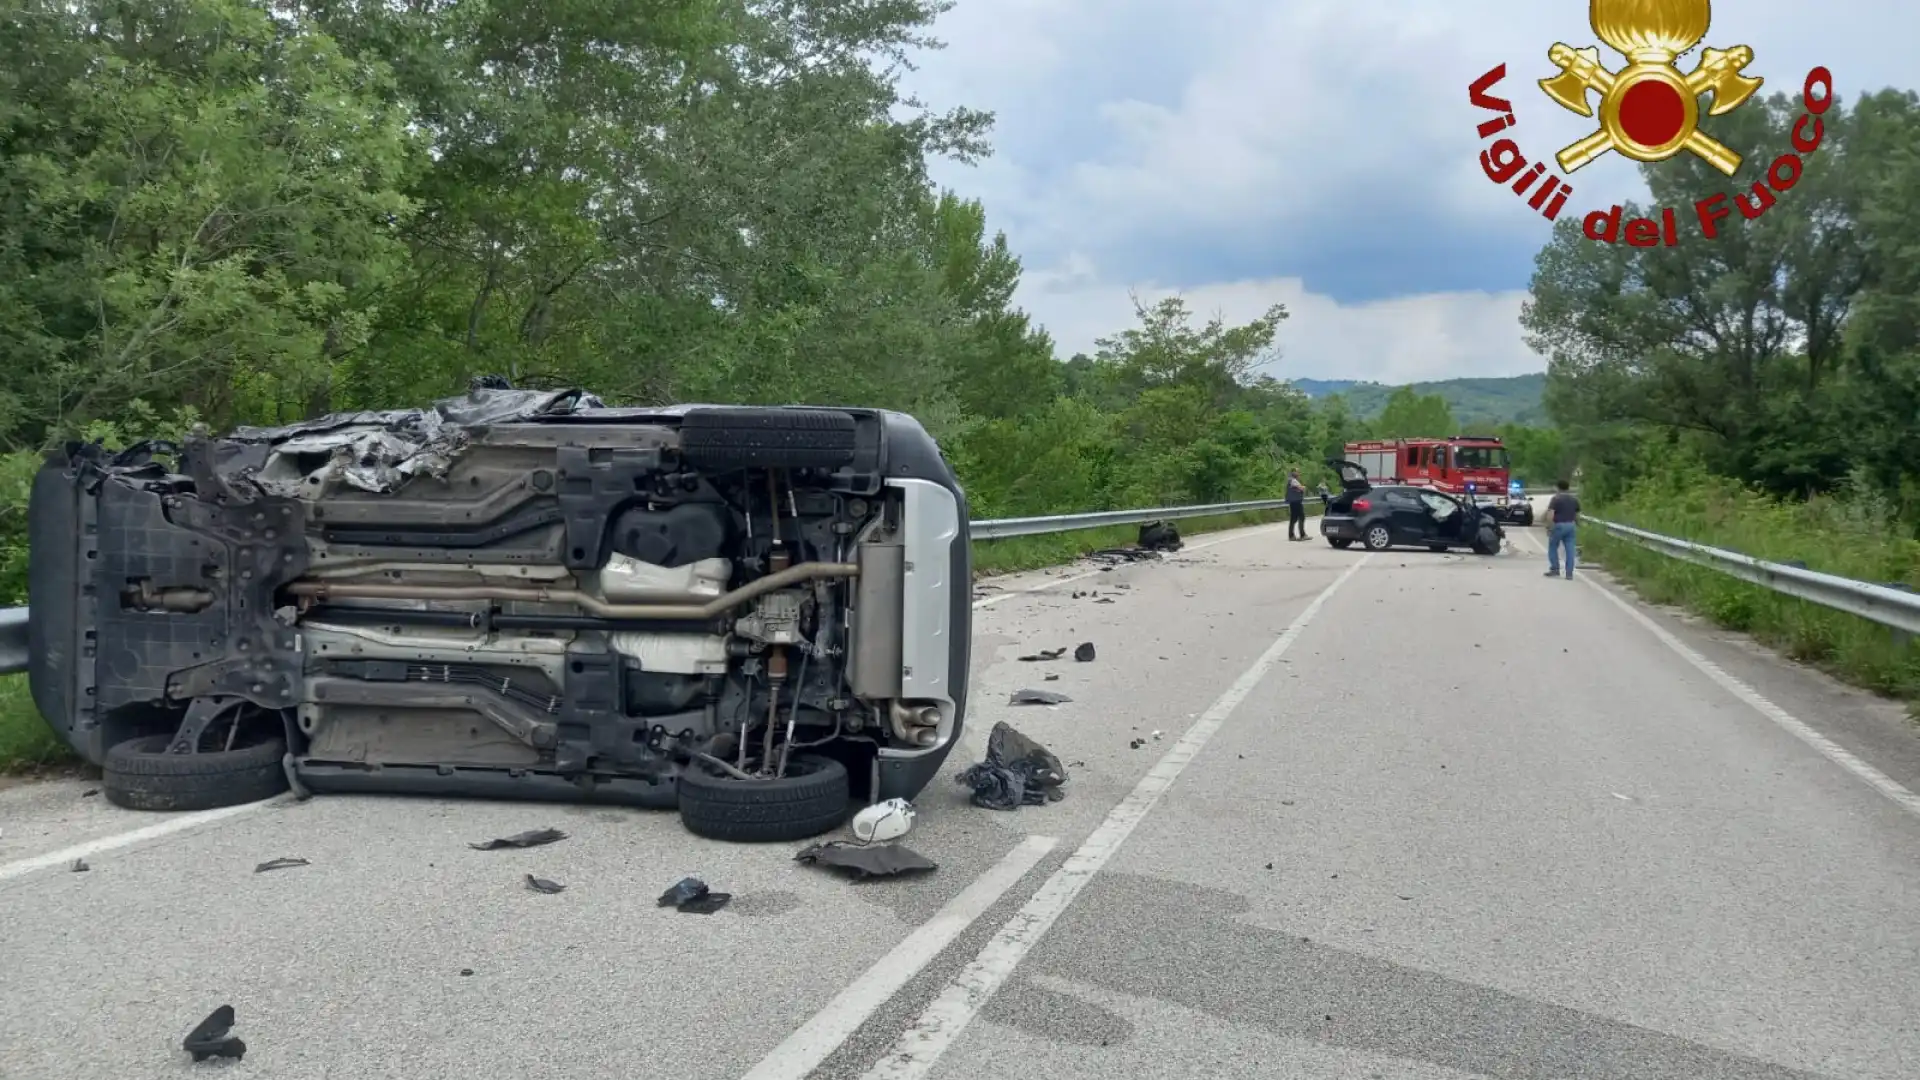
x,y
1468,466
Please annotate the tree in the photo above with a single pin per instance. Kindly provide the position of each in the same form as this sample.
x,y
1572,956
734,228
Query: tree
x,y
1410,415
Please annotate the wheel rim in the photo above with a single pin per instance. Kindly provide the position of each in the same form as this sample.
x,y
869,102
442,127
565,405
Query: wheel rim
x,y
1377,537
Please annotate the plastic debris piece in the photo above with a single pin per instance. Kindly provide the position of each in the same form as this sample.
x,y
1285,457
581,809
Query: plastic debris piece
x,y
279,864
542,885
1160,536
1037,697
1084,653
213,1038
1017,772
691,895
530,838
1045,655
883,821
80,866
464,972
90,793
867,861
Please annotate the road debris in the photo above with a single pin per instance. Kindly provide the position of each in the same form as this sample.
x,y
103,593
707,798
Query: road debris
x,y
213,1038
1017,772
1136,744
542,885
867,861
883,821
1084,653
79,866
1044,655
691,895
90,793
1049,678
530,838
279,864
1037,697
1160,536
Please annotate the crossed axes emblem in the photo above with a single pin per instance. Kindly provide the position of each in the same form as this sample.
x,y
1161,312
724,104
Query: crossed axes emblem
x,y
1649,110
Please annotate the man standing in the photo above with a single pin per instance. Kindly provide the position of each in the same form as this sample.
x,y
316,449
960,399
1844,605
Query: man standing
x,y
1296,506
1563,511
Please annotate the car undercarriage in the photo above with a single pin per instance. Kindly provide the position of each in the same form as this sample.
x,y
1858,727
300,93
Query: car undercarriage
x,y
750,613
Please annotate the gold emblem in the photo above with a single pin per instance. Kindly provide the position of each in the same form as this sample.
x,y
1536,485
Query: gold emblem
x,y
1649,110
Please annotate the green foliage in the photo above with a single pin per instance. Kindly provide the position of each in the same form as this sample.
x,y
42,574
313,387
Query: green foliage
x,y
1851,533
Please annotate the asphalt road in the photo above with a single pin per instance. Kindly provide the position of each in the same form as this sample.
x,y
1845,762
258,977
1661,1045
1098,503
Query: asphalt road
x,y
1395,816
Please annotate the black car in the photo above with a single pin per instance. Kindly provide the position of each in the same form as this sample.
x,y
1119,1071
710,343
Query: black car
x,y
1401,515
750,614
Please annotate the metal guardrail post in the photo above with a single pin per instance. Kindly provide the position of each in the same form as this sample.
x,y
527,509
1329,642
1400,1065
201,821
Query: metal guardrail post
x,y
13,621
1888,606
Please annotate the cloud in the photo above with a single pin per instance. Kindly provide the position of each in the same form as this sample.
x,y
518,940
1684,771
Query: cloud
x,y
1241,145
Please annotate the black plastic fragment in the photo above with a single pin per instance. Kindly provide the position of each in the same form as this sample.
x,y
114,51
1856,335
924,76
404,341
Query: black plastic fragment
x,y
1017,772
1045,654
863,861
212,1037
1084,653
1037,697
79,866
530,838
279,864
542,885
692,896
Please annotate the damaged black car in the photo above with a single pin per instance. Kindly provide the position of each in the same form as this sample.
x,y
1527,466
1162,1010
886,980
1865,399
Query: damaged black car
x,y
753,614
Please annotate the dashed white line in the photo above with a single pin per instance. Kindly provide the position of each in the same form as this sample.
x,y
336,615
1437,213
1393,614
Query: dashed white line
x,y
818,1038
915,1053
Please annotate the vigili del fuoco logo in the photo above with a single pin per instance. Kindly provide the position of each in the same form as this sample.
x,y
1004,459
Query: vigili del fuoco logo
x,y
1649,111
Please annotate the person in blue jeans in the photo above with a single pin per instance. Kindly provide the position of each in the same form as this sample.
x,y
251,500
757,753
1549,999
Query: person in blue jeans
x,y
1563,511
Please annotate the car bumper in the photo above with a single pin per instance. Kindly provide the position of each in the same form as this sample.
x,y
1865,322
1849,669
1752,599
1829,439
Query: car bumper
x,y
1339,527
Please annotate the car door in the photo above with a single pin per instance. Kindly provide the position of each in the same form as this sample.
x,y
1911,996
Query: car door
x,y
1448,518
1408,516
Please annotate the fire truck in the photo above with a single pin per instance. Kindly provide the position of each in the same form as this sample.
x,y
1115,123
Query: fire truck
x,y
1467,466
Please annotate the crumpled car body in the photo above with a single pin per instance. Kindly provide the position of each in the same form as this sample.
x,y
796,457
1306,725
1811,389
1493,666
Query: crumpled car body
x,y
511,593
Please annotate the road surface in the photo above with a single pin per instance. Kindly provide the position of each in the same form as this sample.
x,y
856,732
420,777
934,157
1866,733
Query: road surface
x,y
1404,816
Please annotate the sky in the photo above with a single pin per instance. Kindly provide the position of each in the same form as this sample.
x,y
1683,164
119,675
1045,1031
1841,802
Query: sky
x,y
1323,156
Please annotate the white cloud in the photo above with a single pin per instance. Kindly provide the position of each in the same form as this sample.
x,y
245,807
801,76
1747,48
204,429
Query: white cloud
x,y
1404,339
1217,140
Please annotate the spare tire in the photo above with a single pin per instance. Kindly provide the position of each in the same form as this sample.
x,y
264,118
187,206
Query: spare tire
x,y
139,774
739,438
811,799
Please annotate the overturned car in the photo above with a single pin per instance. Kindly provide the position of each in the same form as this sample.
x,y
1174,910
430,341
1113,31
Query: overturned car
x,y
752,614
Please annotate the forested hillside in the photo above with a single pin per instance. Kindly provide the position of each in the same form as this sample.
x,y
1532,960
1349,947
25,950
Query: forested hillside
x,y
1479,403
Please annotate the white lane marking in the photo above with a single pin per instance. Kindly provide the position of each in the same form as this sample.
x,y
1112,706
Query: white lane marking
x,y
919,1048
818,1038
194,820
1253,530
1832,751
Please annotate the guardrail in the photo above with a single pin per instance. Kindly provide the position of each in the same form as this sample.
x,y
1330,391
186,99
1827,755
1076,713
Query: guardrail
x,y
1887,605
13,621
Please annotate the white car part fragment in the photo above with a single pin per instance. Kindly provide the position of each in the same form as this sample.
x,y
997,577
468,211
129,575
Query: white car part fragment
x,y
883,821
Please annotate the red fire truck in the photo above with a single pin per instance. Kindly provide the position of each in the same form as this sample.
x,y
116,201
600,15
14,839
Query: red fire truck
x,y
1473,466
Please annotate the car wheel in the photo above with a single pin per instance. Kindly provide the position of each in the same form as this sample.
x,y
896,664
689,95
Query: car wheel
x,y
1341,544
736,438
1378,538
1488,543
139,774
811,799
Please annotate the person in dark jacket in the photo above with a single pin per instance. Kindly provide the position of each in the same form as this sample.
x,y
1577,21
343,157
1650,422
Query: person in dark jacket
x,y
1563,513
1296,507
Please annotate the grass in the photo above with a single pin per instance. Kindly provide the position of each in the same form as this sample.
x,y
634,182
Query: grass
x,y
28,745
1829,536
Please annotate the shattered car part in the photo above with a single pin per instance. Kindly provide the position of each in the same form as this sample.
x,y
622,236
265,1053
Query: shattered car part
x,y
279,864
1037,697
865,861
530,838
1017,772
213,1037
1084,653
542,885
509,593
882,822
692,896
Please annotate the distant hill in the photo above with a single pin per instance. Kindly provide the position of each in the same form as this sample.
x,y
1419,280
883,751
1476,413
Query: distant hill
x,y
1515,399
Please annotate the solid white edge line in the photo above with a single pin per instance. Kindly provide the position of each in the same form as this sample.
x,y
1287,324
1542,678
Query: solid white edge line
x,y
193,820
1827,748
934,1031
818,1038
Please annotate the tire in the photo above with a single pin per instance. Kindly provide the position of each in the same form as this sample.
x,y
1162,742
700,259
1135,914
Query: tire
x,y
737,438
139,774
794,807
1488,543
1378,538
1341,544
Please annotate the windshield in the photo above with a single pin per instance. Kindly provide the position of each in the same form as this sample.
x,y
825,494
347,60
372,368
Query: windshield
x,y
1480,457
